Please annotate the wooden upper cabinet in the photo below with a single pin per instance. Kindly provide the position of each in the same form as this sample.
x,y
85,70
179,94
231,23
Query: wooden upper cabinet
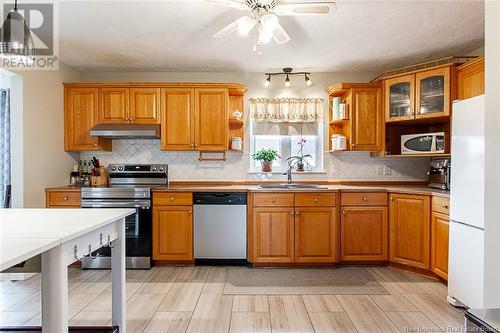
x,y
113,105
440,225
177,113
80,115
400,98
363,234
367,119
432,93
409,230
273,235
173,233
471,79
211,120
144,106
315,234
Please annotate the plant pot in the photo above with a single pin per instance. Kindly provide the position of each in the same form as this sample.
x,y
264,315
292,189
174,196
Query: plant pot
x,y
300,166
266,166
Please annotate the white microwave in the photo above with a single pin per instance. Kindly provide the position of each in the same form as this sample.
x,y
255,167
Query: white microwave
x,y
423,143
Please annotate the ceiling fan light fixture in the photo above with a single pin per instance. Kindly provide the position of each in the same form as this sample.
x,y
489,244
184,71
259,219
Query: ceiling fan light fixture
x,y
269,22
245,25
16,42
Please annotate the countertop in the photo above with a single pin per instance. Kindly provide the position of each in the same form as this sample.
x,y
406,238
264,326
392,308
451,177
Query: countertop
x,y
206,187
25,233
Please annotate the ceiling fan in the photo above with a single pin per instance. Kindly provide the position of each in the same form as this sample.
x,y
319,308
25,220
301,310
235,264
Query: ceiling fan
x,y
263,18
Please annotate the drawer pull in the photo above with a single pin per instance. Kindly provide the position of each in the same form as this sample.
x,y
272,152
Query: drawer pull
x,y
297,213
293,213
172,198
190,212
65,198
444,206
392,199
343,212
273,200
316,200
365,199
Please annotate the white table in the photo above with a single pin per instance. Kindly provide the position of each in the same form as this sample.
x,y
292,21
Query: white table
x,y
60,235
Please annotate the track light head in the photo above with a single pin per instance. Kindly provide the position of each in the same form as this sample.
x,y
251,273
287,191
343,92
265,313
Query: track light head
x,y
268,81
308,80
287,82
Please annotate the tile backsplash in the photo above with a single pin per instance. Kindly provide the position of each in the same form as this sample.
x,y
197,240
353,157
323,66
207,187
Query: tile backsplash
x,y
186,166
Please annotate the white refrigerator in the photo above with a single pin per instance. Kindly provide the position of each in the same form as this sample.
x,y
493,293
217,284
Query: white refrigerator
x,y
466,248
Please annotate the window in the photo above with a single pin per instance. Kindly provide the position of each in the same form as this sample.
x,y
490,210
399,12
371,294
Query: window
x,y
284,137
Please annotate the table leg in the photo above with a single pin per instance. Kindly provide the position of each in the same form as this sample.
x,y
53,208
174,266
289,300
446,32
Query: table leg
x,y
118,285
54,292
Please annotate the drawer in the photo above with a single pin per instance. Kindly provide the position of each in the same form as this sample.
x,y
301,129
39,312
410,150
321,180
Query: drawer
x,y
273,199
173,198
315,199
60,199
363,199
441,205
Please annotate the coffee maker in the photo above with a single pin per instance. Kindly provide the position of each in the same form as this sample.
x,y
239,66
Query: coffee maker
x,y
439,173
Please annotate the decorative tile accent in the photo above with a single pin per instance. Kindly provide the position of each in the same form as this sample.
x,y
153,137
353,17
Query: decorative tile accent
x,y
185,165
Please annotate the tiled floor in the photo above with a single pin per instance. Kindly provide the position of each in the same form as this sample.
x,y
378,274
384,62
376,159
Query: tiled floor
x,y
190,299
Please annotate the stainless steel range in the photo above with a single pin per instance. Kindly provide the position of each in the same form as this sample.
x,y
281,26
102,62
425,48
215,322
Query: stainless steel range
x,y
129,186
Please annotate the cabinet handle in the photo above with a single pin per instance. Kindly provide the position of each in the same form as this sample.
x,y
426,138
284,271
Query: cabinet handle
x,y
191,145
343,212
392,199
65,198
190,211
353,145
195,145
316,200
172,198
273,200
444,206
297,213
293,213
95,144
365,199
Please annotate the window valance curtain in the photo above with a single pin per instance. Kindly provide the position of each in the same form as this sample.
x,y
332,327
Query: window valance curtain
x,y
292,110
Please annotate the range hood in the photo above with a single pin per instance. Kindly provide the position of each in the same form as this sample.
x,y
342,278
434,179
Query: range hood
x,y
126,131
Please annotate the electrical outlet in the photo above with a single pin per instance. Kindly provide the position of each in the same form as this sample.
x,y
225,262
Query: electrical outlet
x,y
333,169
380,170
387,170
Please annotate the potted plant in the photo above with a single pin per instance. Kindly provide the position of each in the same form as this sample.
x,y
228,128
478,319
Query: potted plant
x,y
299,161
266,158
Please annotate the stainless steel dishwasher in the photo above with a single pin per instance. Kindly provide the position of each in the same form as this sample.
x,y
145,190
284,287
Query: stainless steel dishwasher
x,y
220,228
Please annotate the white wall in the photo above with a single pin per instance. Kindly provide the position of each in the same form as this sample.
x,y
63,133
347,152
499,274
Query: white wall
x,y
492,159
45,161
185,165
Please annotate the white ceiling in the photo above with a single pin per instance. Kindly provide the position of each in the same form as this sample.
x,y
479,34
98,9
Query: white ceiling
x,y
177,36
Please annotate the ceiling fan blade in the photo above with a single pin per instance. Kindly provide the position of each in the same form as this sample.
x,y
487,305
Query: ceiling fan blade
x,y
295,8
280,36
245,23
230,3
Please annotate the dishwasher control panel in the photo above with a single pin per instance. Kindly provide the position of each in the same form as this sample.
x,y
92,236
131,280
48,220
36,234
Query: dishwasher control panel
x,y
219,198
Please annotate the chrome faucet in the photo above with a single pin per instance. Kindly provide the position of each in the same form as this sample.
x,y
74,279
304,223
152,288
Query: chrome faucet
x,y
288,174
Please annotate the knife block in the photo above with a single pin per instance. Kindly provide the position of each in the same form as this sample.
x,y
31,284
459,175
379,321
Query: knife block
x,y
100,181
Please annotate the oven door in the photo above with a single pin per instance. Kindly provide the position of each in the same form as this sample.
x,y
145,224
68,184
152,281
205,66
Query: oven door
x,y
138,233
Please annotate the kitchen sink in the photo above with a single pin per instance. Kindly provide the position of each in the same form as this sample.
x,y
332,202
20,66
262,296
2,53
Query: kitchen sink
x,y
291,186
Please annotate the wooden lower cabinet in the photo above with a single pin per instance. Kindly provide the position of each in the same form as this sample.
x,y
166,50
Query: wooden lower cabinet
x,y
62,199
315,234
363,234
273,235
440,224
173,233
409,230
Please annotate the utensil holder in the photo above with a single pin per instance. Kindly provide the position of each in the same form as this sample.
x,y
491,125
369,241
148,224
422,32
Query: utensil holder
x,y
101,180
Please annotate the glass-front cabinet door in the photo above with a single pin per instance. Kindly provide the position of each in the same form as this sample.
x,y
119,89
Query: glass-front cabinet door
x,y
433,93
399,98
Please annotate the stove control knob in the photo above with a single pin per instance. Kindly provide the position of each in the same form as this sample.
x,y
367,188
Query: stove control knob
x,y
154,168
162,168
120,168
113,168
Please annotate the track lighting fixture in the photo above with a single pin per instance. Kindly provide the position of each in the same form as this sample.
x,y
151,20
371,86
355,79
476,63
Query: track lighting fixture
x,y
287,71
268,81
